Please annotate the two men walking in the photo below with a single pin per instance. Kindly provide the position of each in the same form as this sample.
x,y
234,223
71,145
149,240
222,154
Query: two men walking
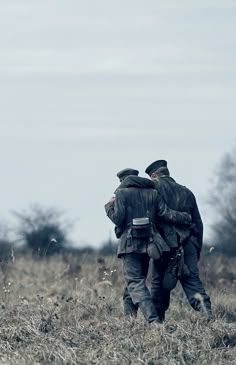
x,y
153,220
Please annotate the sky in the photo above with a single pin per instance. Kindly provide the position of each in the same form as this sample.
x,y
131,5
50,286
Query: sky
x,y
88,88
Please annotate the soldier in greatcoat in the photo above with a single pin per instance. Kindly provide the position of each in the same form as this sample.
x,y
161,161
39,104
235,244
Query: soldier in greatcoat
x,y
130,309
190,238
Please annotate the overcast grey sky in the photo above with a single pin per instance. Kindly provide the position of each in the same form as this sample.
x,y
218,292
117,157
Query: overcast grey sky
x,y
90,87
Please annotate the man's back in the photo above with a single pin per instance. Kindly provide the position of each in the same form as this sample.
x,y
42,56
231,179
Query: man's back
x,y
135,202
175,195
135,198
179,198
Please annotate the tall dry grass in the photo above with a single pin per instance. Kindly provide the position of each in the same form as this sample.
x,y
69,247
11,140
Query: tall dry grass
x,y
69,311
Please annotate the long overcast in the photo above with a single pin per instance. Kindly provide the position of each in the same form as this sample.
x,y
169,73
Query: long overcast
x,y
90,87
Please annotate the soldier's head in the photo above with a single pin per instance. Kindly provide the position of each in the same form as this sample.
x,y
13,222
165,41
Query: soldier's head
x,y
157,169
126,172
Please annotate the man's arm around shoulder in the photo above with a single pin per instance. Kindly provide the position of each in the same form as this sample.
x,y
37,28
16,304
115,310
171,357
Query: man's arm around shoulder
x,y
115,209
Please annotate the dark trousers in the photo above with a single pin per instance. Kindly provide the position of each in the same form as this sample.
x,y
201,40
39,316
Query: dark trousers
x,y
130,309
191,284
135,268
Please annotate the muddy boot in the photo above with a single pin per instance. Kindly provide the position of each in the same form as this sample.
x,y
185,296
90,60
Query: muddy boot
x,y
161,316
130,309
149,311
155,324
207,313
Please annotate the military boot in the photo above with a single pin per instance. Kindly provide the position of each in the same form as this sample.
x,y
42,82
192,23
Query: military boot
x,y
161,316
130,309
207,313
149,311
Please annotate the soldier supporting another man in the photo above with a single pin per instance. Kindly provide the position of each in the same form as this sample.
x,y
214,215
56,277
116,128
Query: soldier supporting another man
x,y
130,309
179,198
136,207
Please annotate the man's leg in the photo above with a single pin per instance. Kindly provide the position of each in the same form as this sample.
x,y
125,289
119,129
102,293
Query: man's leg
x,y
192,285
135,267
130,309
160,296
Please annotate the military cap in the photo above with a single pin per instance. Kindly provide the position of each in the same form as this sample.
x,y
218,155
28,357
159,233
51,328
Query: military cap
x,y
126,172
155,166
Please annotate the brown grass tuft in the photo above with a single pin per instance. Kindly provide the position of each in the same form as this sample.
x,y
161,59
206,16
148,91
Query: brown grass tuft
x,y
56,315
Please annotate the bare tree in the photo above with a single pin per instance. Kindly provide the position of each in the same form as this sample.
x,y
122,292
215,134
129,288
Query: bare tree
x,y
223,201
43,230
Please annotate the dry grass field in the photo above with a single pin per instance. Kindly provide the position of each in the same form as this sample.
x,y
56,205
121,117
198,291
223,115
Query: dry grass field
x,y
69,311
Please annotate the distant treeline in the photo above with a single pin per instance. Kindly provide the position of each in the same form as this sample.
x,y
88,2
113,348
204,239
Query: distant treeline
x,y
9,252
45,231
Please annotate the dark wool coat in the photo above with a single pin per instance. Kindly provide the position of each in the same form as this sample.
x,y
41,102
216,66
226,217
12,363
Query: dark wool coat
x,y
135,198
179,198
